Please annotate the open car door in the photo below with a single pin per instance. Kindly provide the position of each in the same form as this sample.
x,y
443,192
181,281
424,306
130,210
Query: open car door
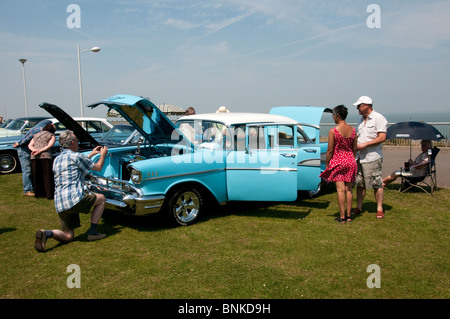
x,y
266,170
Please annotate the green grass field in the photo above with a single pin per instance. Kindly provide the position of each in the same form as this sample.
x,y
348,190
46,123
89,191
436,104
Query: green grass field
x,y
243,250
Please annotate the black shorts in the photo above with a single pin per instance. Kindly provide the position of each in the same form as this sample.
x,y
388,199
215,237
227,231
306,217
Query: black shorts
x,y
70,219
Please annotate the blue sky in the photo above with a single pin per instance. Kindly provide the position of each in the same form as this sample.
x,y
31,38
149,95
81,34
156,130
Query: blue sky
x,y
248,55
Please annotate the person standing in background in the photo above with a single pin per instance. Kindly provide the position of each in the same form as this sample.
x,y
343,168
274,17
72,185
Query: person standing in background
x,y
340,161
42,162
24,154
372,129
190,111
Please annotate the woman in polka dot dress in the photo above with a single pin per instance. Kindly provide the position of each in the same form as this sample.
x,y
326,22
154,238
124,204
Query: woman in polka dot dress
x,y
341,165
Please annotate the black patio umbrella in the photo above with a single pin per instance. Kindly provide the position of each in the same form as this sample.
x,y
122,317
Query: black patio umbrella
x,y
413,131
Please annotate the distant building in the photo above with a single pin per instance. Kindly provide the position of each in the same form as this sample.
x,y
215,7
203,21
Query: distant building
x,y
171,109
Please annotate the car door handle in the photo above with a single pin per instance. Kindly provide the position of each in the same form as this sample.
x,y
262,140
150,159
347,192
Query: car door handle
x,y
293,155
310,150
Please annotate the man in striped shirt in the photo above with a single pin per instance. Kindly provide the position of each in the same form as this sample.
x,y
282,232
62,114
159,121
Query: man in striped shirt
x,y
70,169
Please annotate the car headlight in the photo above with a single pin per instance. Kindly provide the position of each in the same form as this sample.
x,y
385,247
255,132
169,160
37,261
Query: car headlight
x,y
136,176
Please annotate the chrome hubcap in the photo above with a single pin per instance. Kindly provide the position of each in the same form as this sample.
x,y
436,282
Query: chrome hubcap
x,y
6,163
187,206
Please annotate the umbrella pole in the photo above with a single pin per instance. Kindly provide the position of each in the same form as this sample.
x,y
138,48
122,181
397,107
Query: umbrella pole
x,y
410,151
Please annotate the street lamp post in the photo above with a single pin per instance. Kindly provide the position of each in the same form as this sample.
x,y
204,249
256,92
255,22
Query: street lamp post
x,y
94,49
24,85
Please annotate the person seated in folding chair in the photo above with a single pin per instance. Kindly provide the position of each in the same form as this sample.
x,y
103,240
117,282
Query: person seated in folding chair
x,y
417,168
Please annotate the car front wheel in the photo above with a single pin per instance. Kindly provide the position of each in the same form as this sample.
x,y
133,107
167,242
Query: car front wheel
x,y
8,163
185,206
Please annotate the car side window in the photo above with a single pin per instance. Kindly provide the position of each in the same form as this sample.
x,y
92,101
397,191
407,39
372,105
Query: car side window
x,y
94,127
105,128
285,136
187,128
256,138
302,138
97,127
281,136
214,132
239,137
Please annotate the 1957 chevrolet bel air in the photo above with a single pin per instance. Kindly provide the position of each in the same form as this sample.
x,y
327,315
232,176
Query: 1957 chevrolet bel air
x,y
219,156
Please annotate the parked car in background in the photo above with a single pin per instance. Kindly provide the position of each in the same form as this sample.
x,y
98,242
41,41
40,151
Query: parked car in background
x,y
121,135
4,124
96,127
218,157
20,126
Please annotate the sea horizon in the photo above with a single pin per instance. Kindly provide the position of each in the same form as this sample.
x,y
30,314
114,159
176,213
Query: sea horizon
x,y
401,117
440,120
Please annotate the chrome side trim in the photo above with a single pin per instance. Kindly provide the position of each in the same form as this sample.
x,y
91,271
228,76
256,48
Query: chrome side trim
x,y
314,162
281,169
183,174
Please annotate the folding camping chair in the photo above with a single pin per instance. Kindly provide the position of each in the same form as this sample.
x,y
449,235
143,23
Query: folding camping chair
x,y
420,182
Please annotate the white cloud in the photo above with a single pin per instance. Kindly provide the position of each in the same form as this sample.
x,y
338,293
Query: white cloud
x,y
180,24
252,53
423,27
217,26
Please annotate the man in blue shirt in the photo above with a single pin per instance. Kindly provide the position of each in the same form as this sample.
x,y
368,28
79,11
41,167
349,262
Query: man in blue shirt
x,y
70,169
25,157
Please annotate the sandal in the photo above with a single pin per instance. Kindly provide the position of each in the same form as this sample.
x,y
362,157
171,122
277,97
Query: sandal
x,y
348,219
340,220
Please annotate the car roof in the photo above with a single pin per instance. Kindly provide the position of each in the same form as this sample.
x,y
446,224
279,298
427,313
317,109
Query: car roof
x,y
28,118
235,118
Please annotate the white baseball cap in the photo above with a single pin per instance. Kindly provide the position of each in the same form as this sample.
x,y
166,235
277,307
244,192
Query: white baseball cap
x,y
363,100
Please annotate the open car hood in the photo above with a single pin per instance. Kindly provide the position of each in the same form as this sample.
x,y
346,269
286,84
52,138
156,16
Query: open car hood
x,y
85,139
304,115
143,115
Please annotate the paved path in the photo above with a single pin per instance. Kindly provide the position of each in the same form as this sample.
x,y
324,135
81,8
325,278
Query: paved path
x,y
394,156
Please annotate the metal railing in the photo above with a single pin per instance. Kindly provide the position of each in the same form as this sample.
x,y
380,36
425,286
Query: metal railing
x,y
443,127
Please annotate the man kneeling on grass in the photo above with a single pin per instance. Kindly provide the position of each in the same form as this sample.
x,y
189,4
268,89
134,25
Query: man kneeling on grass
x,y
70,169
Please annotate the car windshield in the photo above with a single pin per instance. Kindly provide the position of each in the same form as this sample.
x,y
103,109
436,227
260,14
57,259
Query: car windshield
x,y
15,125
6,123
121,135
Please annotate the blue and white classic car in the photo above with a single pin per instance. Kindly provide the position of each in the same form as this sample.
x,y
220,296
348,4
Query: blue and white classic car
x,y
218,157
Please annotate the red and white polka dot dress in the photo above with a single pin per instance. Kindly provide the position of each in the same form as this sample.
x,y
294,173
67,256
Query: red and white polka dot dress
x,y
342,166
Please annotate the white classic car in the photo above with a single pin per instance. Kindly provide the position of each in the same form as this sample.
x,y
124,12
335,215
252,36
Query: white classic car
x,y
210,157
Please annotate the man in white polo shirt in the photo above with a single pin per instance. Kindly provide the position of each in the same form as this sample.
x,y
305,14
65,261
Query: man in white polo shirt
x,y
371,134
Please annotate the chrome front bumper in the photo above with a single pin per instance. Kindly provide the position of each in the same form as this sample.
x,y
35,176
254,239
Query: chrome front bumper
x,y
124,197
